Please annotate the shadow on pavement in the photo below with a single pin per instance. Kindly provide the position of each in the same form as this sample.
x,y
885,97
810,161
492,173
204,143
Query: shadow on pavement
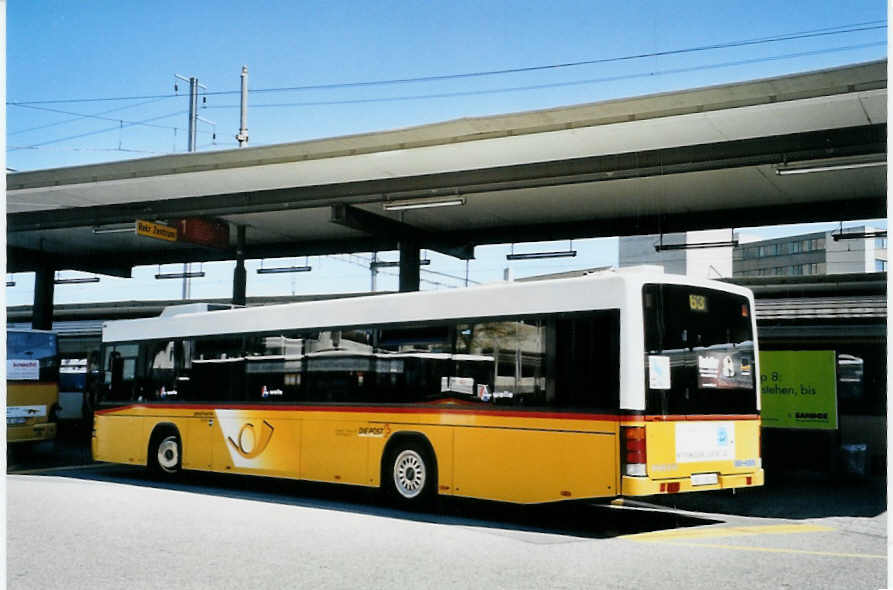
x,y
71,447
575,519
796,495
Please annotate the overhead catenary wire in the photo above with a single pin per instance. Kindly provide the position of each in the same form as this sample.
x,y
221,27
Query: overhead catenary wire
x,y
83,149
364,262
813,33
96,132
100,117
601,80
859,27
122,123
367,260
81,116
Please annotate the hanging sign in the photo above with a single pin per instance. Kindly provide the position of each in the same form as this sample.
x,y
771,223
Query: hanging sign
x,y
156,230
213,233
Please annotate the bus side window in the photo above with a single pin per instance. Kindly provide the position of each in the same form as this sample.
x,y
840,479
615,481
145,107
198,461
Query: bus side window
x,y
587,360
116,370
121,371
411,363
218,369
506,358
274,367
163,375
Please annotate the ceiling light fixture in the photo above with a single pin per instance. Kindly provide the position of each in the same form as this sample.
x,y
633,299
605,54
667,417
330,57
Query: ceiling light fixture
x,y
113,230
283,269
695,246
270,270
407,204
569,253
538,255
394,263
76,280
859,235
834,165
180,275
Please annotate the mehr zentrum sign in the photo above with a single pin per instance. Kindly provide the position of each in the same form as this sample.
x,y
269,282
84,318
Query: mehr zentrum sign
x,y
156,230
195,230
799,389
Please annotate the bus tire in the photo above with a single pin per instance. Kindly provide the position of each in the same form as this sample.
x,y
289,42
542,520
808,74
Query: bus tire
x,y
165,453
410,474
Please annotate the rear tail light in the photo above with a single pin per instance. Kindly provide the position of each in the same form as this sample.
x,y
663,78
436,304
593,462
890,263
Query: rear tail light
x,y
634,450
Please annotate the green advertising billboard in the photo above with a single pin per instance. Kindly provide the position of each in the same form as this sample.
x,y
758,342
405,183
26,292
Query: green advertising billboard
x,y
798,389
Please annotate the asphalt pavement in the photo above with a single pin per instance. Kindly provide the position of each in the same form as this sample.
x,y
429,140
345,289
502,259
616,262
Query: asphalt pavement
x,y
79,525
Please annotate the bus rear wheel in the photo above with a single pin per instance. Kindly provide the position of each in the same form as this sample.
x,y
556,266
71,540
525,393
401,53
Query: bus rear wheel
x,y
411,475
165,455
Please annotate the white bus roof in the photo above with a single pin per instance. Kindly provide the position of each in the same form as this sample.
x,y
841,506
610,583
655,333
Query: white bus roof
x,y
611,289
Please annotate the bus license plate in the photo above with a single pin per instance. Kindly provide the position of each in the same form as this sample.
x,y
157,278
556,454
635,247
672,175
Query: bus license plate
x,y
704,479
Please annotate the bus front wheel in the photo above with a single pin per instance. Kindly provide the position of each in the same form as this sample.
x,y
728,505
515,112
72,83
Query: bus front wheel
x,y
411,475
165,455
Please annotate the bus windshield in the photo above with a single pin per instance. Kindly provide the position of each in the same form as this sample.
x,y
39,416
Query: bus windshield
x,y
31,356
699,351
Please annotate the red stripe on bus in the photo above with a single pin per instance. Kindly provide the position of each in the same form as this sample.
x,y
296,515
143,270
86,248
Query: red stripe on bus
x,y
433,410
688,417
370,409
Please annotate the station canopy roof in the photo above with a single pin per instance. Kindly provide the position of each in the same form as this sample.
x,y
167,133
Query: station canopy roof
x,y
799,148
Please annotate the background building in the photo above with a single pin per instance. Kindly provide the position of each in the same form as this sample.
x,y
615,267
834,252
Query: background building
x,y
812,254
817,253
686,255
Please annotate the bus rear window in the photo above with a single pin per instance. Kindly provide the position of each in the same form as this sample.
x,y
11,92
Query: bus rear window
x,y
699,353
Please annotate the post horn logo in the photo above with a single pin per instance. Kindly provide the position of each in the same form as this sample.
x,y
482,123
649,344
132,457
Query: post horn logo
x,y
250,444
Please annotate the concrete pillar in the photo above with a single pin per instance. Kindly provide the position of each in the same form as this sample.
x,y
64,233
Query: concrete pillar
x,y
409,266
42,311
240,277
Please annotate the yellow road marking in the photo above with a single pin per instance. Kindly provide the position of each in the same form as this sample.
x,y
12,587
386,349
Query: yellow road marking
x,y
730,531
779,550
679,537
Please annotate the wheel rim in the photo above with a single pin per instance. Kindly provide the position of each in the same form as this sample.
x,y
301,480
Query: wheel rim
x,y
169,454
409,474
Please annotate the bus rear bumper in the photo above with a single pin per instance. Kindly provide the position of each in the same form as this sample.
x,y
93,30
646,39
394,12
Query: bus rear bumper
x,y
31,432
643,486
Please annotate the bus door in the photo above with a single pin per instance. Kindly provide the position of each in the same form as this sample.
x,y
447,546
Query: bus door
x,y
201,432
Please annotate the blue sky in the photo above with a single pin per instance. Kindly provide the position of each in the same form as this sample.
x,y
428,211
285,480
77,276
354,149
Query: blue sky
x,y
95,50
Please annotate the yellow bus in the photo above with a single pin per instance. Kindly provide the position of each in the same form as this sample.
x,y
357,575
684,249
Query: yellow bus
x,y
622,382
32,385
